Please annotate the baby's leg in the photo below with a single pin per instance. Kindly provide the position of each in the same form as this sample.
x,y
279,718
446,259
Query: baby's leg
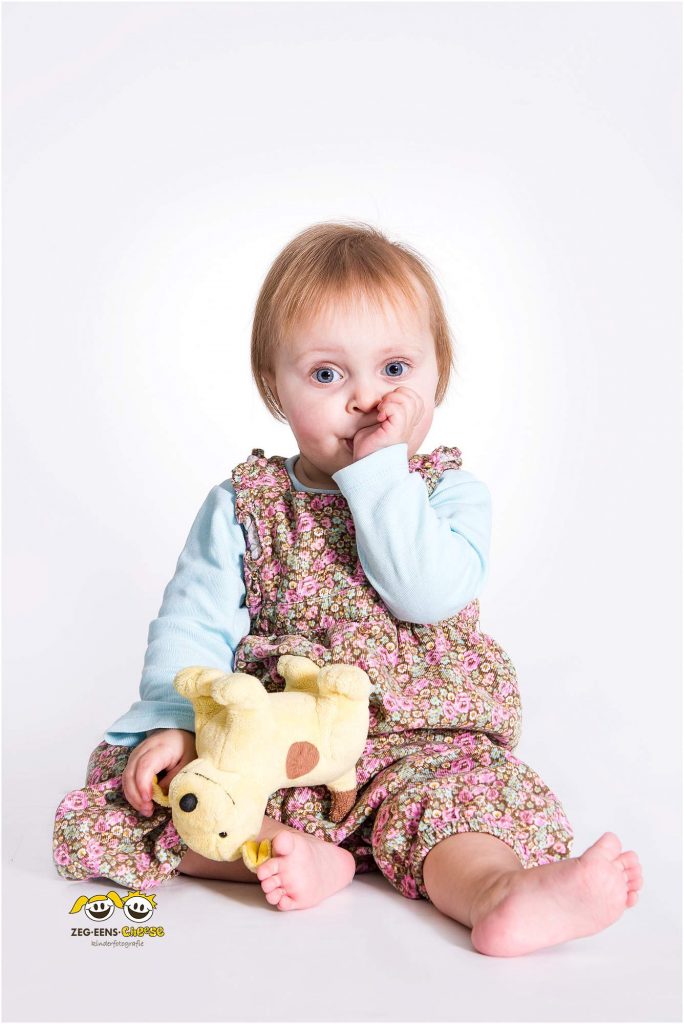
x,y
478,880
98,834
481,835
301,872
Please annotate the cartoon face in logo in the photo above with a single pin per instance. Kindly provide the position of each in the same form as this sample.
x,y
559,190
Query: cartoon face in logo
x,y
138,908
97,908
100,910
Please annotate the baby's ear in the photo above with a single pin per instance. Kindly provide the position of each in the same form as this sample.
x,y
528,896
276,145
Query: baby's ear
x,y
270,381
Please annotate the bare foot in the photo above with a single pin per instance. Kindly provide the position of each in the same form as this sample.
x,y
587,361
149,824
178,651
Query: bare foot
x,y
302,871
542,906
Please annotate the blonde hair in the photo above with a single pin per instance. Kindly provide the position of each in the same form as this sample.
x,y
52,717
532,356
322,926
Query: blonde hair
x,y
340,262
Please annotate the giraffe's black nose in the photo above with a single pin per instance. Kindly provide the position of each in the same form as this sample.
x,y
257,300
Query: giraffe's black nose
x,y
188,802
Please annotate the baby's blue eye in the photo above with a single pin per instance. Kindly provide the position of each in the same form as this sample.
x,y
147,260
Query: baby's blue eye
x,y
326,370
396,363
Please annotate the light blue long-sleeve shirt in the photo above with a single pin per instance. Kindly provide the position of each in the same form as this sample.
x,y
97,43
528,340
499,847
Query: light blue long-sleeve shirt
x,y
427,557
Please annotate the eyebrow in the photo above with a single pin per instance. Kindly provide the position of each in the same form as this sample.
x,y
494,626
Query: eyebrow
x,y
394,350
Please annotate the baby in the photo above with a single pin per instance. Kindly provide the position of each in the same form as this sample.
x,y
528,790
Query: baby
x,y
357,550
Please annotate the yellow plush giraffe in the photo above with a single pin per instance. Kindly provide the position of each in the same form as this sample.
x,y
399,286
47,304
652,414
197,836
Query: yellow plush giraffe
x,y
251,743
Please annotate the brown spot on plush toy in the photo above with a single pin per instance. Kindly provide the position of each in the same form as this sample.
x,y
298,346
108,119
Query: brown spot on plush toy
x,y
301,758
251,743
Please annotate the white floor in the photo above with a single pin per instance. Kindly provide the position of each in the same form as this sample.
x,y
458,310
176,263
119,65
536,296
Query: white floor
x,y
367,954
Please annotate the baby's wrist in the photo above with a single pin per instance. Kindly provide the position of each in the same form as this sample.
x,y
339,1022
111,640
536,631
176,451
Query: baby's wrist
x,y
171,729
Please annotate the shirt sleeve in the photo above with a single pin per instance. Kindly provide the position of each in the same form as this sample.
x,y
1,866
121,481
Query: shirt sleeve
x,y
202,619
426,555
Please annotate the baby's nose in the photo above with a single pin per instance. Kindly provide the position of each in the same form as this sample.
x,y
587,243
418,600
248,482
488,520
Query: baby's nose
x,y
364,399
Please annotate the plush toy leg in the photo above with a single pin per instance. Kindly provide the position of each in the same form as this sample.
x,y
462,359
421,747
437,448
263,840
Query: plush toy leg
x,y
254,854
343,792
342,804
299,673
346,680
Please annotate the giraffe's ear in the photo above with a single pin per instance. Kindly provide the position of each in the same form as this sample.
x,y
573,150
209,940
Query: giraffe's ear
x,y
196,681
158,795
196,684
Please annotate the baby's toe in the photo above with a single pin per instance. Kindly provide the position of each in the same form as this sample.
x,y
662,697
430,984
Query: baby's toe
x,y
635,879
605,849
629,862
287,903
282,843
629,858
608,845
268,868
275,896
269,884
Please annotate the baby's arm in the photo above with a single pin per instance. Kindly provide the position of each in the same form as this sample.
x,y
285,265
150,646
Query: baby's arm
x,y
201,620
427,556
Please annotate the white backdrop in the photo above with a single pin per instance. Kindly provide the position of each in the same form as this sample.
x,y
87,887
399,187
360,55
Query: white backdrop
x,y
157,156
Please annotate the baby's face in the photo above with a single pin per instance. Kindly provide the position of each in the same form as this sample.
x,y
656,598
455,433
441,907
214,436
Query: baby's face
x,y
336,368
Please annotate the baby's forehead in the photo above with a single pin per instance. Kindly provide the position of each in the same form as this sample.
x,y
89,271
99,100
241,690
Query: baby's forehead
x,y
394,314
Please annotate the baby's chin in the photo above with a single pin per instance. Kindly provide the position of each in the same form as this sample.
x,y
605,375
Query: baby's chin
x,y
319,473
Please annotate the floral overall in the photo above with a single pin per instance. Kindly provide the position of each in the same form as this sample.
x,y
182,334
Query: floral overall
x,y
444,709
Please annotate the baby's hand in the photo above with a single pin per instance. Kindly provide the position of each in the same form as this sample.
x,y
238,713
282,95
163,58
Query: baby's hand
x,y
169,749
399,413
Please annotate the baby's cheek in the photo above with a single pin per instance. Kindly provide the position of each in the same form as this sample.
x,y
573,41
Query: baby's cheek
x,y
428,412
419,434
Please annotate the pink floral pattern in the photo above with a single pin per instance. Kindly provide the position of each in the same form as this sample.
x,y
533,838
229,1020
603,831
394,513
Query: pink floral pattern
x,y
98,834
444,710
321,605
